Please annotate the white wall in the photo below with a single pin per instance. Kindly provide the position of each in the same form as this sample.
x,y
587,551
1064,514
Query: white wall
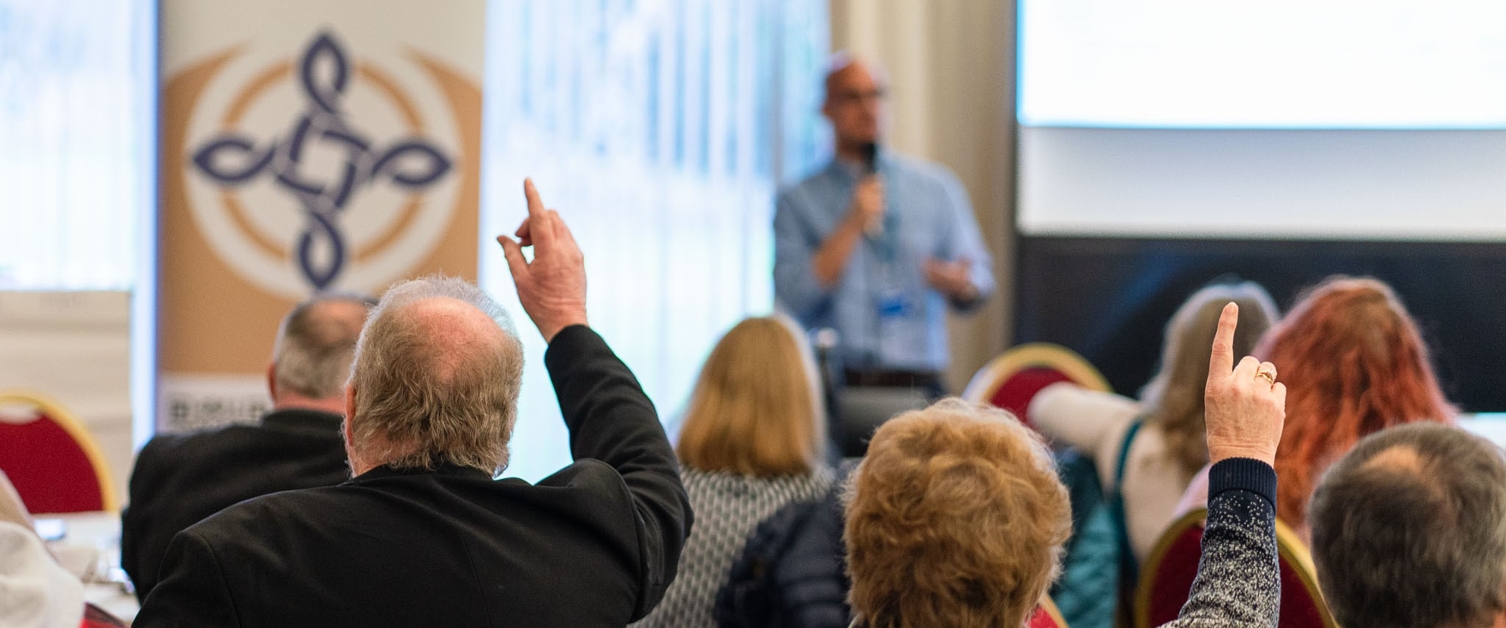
x,y
74,347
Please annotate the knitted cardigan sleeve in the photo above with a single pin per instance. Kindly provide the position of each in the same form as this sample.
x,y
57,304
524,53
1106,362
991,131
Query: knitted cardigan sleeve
x,y
1238,580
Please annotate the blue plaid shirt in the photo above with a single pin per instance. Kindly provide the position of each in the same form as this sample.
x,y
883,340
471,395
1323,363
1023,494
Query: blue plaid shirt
x,y
885,313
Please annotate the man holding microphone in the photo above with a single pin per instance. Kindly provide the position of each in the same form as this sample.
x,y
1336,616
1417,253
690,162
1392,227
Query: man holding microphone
x,y
876,246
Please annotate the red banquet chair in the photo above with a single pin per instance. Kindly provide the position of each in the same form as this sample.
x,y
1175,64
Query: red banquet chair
x,y
1046,615
1011,380
51,458
1166,578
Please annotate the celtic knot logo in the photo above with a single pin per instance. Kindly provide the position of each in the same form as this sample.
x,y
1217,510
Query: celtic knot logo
x,y
232,159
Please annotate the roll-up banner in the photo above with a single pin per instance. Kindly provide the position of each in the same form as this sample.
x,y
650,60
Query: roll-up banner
x,y
307,147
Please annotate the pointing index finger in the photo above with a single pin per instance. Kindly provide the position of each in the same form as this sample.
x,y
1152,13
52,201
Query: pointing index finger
x,y
1221,361
538,216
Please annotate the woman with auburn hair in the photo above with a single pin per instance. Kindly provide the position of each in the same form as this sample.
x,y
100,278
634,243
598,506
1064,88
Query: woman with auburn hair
x,y
1159,439
1354,364
751,441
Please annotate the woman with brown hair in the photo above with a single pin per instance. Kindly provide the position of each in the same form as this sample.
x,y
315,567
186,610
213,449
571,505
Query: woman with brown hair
x,y
751,441
1158,440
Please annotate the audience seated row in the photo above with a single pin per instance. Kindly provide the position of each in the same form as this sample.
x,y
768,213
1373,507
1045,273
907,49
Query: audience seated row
x,y
425,412
956,516
1408,530
1356,366
423,535
1145,452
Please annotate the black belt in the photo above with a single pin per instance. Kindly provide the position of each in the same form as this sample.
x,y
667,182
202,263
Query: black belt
x,y
892,378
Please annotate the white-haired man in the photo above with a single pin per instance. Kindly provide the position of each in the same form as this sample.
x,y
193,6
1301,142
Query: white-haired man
x,y
423,535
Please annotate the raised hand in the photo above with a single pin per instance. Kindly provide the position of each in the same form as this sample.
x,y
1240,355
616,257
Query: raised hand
x,y
1245,406
552,288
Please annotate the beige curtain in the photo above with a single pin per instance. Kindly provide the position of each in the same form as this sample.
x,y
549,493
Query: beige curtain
x,y
951,69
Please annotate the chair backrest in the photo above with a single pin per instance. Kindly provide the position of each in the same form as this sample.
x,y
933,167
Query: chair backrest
x,y
1301,601
1046,616
863,409
1167,575
1010,380
96,617
51,458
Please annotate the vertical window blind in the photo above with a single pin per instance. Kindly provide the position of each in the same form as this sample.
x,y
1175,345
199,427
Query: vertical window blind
x,y
77,127
660,131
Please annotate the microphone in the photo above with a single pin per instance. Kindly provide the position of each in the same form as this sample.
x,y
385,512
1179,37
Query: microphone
x,y
874,229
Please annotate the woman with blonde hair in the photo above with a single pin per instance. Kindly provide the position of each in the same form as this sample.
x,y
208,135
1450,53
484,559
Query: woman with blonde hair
x,y
751,441
1148,451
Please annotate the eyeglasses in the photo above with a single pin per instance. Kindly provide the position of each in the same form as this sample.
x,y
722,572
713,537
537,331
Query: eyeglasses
x,y
859,97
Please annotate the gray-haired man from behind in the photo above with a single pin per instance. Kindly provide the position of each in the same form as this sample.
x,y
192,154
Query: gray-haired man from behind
x,y
1409,531
182,478
424,535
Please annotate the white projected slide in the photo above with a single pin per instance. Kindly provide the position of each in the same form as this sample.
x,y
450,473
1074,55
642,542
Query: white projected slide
x,y
1342,184
1320,119
1389,64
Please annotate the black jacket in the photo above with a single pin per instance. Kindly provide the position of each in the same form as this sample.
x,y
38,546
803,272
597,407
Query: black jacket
x,y
592,545
182,478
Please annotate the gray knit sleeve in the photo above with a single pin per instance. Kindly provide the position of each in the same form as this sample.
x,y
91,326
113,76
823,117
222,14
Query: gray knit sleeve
x,y
1238,582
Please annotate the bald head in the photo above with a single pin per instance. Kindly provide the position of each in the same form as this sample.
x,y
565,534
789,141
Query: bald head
x,y
435,381
315,344
457,335
855,90
1409,529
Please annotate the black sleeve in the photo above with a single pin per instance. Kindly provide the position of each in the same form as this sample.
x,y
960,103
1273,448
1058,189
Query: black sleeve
x,y
610,419
141,549
1238,582
194,594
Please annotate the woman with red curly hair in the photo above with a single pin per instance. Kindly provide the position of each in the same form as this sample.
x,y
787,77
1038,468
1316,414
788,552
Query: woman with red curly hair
x,y
1354,364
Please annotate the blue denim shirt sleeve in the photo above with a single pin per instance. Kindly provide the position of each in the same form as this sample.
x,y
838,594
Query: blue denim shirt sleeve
x,y
795,281
965,241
